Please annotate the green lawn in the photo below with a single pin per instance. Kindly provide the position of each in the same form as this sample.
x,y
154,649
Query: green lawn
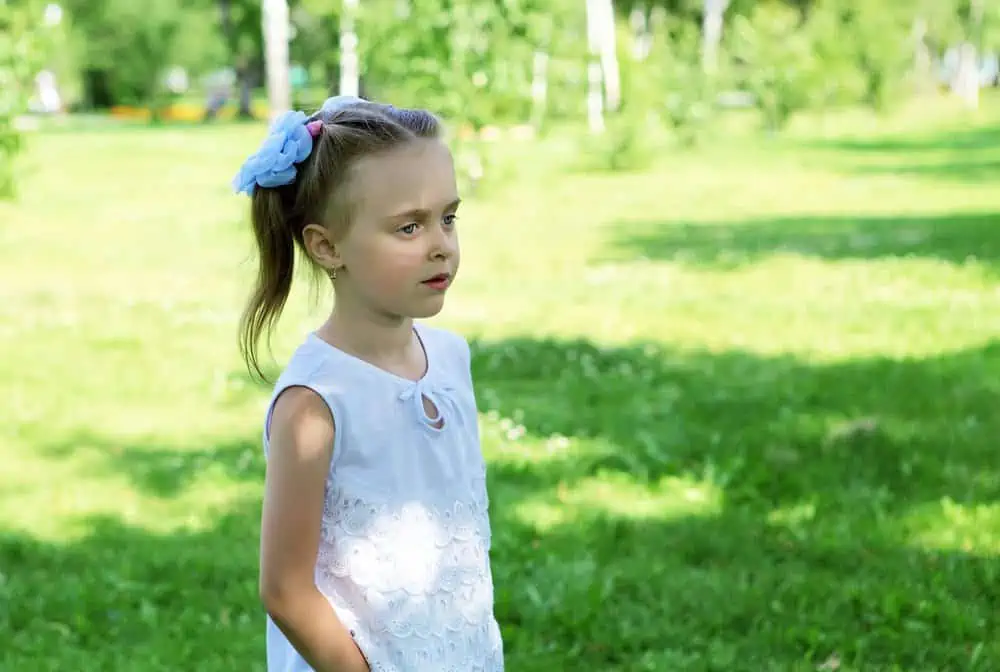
x,y
741,410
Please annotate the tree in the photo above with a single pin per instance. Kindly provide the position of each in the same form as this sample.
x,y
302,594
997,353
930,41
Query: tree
x,y
980,22
124,47
241,24
602,67
778,61
20,56
863,48
276,34
712,21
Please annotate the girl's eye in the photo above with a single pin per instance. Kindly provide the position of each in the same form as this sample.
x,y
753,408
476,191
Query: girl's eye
x,y
449,220
409,229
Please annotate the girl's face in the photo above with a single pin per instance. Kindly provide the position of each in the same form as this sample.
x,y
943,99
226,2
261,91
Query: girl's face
x,y
400,253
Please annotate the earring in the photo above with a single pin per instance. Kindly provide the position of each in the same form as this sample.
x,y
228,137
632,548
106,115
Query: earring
x,y
332,273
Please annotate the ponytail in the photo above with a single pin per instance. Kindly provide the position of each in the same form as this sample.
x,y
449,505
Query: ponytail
x,y
276,247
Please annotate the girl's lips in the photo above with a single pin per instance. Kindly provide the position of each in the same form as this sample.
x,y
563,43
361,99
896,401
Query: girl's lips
x,y
440,281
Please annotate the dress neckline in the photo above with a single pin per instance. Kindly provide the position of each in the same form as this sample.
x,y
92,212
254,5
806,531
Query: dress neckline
x,y
439,393
364,363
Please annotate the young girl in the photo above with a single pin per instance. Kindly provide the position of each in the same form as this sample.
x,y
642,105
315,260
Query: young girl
x,y
375,535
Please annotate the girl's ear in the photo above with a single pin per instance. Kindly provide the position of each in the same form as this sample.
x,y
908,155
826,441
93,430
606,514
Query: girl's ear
x,y
320,246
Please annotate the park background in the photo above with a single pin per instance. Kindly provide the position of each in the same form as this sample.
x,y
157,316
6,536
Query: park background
x,y
731,274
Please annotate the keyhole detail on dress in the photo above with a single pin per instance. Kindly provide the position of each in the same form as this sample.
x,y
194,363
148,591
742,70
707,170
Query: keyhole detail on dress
x,y
433,414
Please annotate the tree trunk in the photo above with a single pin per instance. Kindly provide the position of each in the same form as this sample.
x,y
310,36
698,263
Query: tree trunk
x,y
642,36
966,83
275,26
539,88
711,34
349,70
602,66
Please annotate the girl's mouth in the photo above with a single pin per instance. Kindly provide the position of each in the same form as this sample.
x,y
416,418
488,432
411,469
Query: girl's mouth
x,y
438,282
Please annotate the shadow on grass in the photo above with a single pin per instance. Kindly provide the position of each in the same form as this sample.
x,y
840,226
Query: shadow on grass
x,y
960,155
954,238
828,476
969,169
125,598
849,437
162,470
847,453
954,140
734,593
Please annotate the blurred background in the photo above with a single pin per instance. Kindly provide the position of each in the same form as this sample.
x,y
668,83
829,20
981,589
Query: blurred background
x,y
731,275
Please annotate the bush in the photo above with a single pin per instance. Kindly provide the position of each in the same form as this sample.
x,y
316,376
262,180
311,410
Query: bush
x,y
864,49
778,62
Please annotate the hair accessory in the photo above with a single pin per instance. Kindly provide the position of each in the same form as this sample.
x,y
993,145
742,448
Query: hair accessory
x,y
289,142
314,128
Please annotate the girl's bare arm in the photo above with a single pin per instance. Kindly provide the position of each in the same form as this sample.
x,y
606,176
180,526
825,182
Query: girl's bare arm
x,y
300,446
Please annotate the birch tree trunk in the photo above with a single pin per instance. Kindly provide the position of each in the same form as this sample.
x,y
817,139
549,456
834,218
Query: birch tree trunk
x,y
539,88
349,71
275,25
602,67
711,33
966,84
642,36
967,76
595,97
609,65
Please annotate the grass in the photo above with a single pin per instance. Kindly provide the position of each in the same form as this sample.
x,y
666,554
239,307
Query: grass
x,y
739,409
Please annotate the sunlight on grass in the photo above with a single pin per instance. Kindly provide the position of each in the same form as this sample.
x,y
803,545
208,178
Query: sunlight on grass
x,y
620,497
792,517
59,488
951,526
60,512
505,440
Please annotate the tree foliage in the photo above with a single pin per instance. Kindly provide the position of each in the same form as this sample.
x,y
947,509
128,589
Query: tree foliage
x,y
470,61
474,62
21,49
124,47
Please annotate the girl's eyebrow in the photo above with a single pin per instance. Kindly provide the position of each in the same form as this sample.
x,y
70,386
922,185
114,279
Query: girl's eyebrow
x,y
417,213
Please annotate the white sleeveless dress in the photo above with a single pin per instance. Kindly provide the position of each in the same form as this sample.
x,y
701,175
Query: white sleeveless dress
x,y
404,548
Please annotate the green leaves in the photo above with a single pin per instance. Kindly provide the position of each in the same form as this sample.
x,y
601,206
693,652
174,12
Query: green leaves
x,y
133,43
20,50
779,61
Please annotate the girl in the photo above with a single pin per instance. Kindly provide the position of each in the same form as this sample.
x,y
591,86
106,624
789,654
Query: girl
x,y
375,535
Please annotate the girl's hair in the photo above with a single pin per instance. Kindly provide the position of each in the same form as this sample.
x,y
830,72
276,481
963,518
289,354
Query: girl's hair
x,y
317,195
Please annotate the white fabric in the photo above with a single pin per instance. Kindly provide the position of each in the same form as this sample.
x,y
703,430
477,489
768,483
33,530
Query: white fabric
x,y
404,549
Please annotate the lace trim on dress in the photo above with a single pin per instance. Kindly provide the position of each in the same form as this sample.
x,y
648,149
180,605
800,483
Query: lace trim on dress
x,y
415,578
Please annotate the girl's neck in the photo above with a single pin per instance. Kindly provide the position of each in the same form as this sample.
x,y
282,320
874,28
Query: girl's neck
x,y
374,337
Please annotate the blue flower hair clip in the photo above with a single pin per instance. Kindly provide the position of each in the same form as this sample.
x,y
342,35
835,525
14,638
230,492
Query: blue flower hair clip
x,y
289,142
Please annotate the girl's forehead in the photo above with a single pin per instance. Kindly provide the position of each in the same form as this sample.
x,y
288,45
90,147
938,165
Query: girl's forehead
x,y
420,174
